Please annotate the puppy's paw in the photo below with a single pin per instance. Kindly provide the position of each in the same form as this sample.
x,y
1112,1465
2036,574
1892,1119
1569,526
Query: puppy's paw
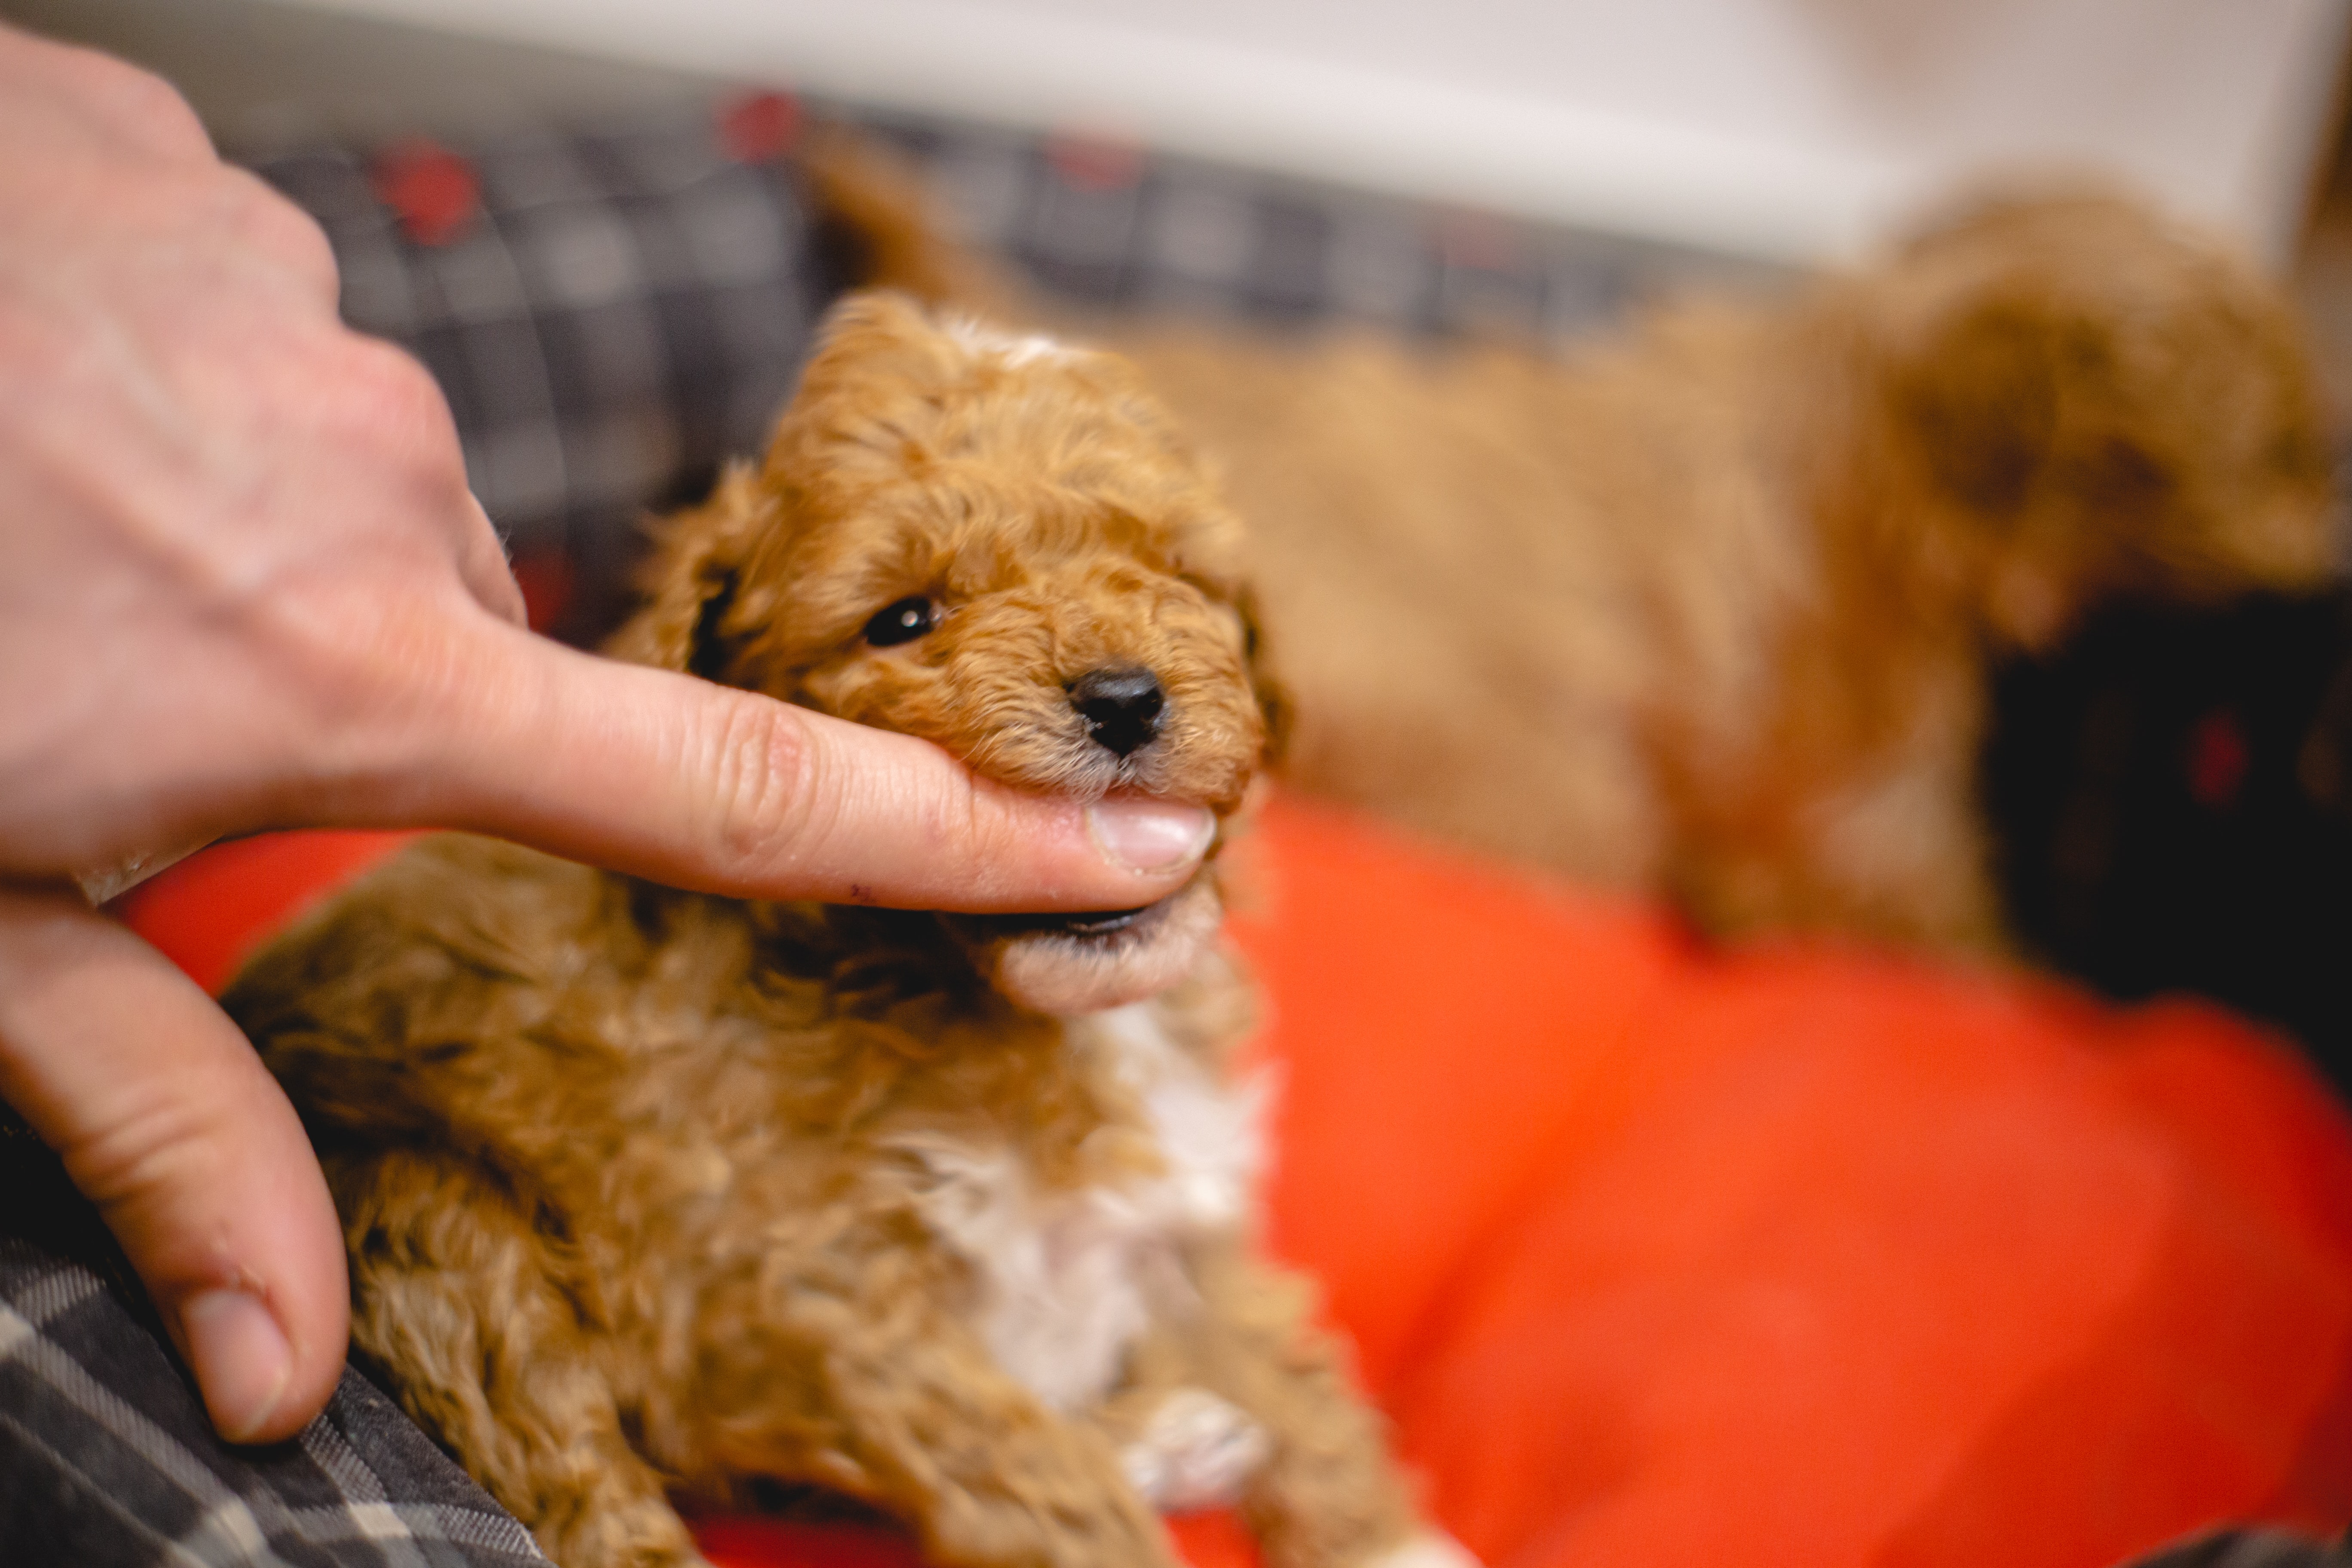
x,y
1197,1451
1430,1549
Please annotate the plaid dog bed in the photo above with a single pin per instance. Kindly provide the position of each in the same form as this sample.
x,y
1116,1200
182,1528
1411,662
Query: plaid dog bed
x,y
106,1459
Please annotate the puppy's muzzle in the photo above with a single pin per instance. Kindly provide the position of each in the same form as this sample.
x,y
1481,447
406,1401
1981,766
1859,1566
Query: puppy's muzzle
x,y
1083,963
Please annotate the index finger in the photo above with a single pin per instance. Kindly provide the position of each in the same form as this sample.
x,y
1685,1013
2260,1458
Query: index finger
x,y
670,777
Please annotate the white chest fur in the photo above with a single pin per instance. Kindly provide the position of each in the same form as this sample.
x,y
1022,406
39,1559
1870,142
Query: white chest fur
x,y
1068,1278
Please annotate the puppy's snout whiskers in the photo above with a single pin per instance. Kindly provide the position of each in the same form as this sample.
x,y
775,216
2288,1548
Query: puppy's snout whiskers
x,y
1124,708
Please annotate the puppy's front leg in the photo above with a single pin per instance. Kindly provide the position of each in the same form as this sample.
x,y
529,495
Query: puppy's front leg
x,y
454,1297
1326,1495
850,1371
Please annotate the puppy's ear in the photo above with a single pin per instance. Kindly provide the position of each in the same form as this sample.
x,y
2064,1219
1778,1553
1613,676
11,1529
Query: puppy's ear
x,y
1273,699
2120,398
2020,361
2017,413
2015,400
693,584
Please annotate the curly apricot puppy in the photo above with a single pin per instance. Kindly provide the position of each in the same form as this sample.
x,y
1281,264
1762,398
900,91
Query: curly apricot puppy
x,y
651,1193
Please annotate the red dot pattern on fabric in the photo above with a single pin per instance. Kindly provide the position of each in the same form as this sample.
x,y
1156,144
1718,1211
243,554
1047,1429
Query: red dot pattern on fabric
x,y
434,193
760,127
1094,162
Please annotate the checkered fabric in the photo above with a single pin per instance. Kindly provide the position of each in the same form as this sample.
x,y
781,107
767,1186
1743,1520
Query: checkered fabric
x,y
612,311
1121,227
106,1459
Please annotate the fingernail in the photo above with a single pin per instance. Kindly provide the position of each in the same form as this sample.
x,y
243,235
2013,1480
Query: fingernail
x,y
241,1359
1149,835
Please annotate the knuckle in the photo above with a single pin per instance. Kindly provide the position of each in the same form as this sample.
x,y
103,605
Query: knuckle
x,y
147,1151
762,791
382,380
267,223
377,398
137,104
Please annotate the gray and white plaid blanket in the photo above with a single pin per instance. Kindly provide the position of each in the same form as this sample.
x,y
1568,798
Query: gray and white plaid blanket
x,y
106,1459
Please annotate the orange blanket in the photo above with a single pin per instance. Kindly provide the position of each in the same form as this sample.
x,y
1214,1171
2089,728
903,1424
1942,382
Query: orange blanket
x,y
1802,1254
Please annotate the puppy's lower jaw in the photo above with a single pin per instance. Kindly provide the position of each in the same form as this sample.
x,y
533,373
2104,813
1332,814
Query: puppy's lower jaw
x,y
1066,965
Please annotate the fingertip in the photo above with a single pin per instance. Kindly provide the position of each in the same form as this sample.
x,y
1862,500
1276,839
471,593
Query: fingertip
x,y
167,1122
265,1359
1153,837
242,1361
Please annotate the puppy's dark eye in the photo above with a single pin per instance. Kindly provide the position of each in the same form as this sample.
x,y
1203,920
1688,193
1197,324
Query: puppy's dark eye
x,y
902,621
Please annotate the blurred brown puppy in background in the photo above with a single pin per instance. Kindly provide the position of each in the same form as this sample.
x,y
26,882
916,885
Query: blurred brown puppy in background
x,y
1711,610
649,1191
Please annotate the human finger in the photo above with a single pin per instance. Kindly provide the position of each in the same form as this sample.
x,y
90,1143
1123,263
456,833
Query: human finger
x,y
727,791
166,1121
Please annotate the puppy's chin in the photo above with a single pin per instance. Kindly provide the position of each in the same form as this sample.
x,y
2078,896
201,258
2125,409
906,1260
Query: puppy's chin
x,y
1063,965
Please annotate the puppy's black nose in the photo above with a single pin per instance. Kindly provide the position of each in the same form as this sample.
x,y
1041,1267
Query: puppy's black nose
x,y
1122,707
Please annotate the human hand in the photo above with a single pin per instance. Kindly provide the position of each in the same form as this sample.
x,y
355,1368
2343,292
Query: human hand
x,y
243,584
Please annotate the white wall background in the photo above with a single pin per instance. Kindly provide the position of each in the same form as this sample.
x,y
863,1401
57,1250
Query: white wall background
x,y
1782,128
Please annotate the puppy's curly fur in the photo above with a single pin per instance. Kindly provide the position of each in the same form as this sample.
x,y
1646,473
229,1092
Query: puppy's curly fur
x,y
1711,610
649,1192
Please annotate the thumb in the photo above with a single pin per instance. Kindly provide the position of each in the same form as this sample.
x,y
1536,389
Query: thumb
x,y
166,1121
